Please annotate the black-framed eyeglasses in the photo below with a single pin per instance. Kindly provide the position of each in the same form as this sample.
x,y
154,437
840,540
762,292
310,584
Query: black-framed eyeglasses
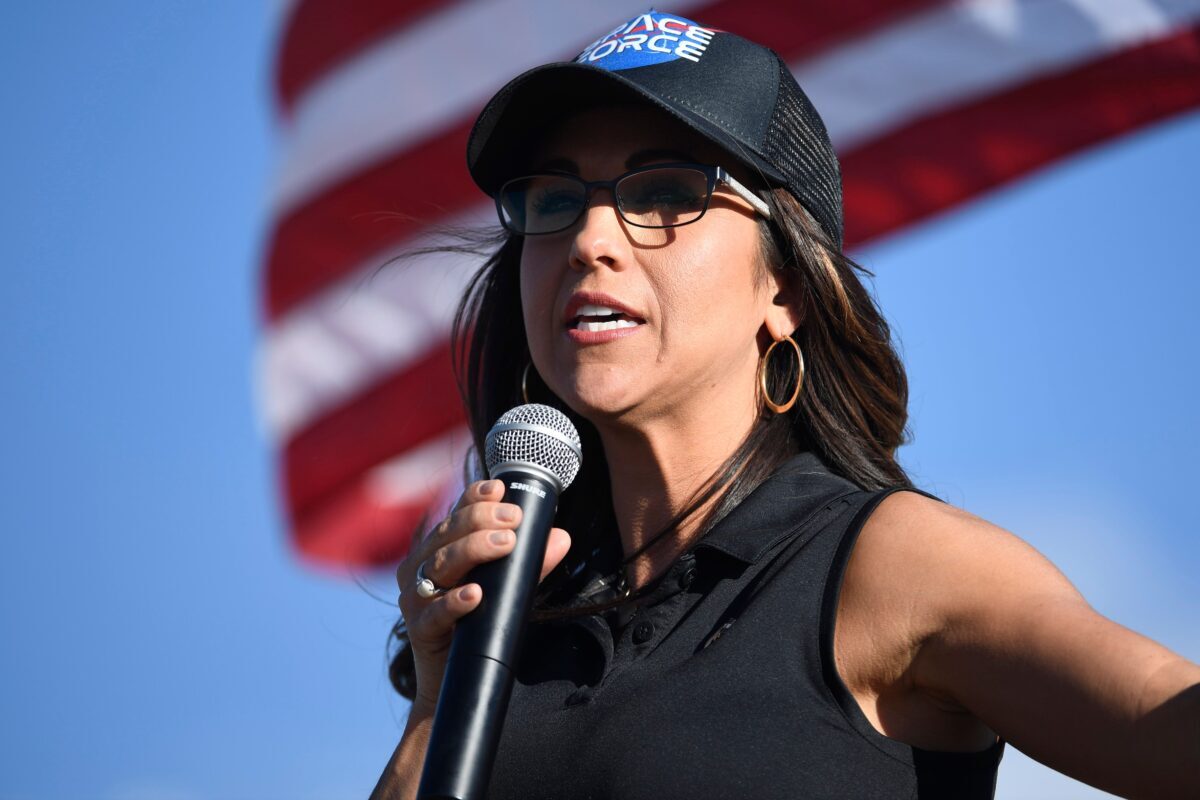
x,y
657,196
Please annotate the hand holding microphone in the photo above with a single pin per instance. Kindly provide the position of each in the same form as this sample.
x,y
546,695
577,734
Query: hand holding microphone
x,y
460,542
465,641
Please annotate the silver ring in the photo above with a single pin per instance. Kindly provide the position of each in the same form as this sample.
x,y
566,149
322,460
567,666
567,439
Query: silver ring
x,y
426,588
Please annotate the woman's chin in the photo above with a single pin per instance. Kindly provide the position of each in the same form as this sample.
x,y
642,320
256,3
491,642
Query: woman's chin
x,y
599,401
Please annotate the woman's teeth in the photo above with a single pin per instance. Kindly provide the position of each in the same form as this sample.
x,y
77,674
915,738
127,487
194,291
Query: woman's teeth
x,y
609,325
590,310
601,318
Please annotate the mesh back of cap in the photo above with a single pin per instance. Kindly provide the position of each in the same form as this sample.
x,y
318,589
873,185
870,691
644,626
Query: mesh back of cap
x,y
798,145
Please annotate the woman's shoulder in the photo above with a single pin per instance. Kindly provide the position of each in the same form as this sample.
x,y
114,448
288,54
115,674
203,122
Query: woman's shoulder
x,y
955,557
944,567
922,574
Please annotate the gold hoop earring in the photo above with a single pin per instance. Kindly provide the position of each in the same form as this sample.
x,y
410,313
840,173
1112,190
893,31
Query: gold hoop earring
x,y
525,383
779,408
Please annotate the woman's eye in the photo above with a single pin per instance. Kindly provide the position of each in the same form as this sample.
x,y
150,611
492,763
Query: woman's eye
x,y
664,193
554,201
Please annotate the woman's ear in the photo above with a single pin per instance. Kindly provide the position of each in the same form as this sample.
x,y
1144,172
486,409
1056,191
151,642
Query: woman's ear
x,y
785,312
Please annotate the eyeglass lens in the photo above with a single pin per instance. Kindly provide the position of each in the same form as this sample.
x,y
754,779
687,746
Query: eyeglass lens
x,y
655,198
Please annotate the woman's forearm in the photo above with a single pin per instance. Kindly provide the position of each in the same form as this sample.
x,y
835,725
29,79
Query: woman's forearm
x,y
403,771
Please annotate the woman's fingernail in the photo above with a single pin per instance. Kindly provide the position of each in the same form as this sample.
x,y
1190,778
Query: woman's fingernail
x,y
500,537
506,513
467,593
492,487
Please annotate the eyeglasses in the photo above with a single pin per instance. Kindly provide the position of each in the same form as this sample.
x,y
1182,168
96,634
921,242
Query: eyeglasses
x,y
658,196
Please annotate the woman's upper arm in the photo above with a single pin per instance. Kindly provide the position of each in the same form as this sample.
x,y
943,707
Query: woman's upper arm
x,y
998,630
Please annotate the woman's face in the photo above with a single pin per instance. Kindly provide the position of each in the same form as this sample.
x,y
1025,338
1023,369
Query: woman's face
x,y
695,300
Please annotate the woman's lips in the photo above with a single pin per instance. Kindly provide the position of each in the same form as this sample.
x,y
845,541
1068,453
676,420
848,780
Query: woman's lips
x,y
580,336
597,305
594,318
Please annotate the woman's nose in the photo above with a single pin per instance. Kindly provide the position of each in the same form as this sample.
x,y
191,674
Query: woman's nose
x,y
600,238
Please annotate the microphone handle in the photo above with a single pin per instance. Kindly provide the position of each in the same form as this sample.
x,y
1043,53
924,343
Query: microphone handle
x,y
480,667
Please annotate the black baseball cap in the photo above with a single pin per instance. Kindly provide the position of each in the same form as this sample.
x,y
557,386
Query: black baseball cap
x,y
735,93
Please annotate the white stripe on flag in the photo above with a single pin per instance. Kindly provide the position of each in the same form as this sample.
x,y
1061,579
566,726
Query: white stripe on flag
x,y
365,326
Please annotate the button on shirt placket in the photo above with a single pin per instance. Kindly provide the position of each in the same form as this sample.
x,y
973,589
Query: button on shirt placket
x,y
656,617
649,624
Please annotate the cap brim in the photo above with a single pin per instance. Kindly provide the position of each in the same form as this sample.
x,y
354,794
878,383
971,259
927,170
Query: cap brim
x,y
512,122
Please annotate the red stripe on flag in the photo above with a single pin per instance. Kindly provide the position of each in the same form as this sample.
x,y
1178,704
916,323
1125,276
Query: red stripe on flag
x,y
365,214
403,411
941,160
320,34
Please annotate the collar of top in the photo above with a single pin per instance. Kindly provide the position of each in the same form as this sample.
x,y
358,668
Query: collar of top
x,y
782,505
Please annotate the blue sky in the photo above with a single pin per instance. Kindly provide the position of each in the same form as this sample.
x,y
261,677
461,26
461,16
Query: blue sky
x,y
160,638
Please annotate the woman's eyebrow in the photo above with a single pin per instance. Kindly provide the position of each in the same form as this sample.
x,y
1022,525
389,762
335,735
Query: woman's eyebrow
x,y
656,154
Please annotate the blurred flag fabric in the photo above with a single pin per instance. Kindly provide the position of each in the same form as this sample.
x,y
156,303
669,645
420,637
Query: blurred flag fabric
x,y
929,104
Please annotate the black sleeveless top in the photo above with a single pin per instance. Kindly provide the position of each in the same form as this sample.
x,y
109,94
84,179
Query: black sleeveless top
x,y
722,684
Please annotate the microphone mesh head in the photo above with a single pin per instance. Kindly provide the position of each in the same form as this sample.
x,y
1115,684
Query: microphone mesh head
x,y
537,435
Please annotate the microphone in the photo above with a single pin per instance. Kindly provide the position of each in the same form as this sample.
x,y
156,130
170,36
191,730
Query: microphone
x,y
535,450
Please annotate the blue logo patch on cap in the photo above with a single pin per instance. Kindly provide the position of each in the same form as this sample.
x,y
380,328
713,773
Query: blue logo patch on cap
x,y
651,38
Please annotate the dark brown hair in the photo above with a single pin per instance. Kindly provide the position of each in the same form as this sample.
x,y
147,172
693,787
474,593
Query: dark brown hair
x,y
851,412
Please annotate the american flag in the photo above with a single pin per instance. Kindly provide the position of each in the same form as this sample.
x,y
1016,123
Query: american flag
x,y
929,103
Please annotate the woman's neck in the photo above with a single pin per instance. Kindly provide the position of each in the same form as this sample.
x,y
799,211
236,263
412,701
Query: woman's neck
x,y
657,469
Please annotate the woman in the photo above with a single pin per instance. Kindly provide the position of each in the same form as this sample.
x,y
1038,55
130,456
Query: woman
x,y
746,597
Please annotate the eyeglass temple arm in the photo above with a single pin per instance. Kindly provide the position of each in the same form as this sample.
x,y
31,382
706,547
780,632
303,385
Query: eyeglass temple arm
x,y
744,193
